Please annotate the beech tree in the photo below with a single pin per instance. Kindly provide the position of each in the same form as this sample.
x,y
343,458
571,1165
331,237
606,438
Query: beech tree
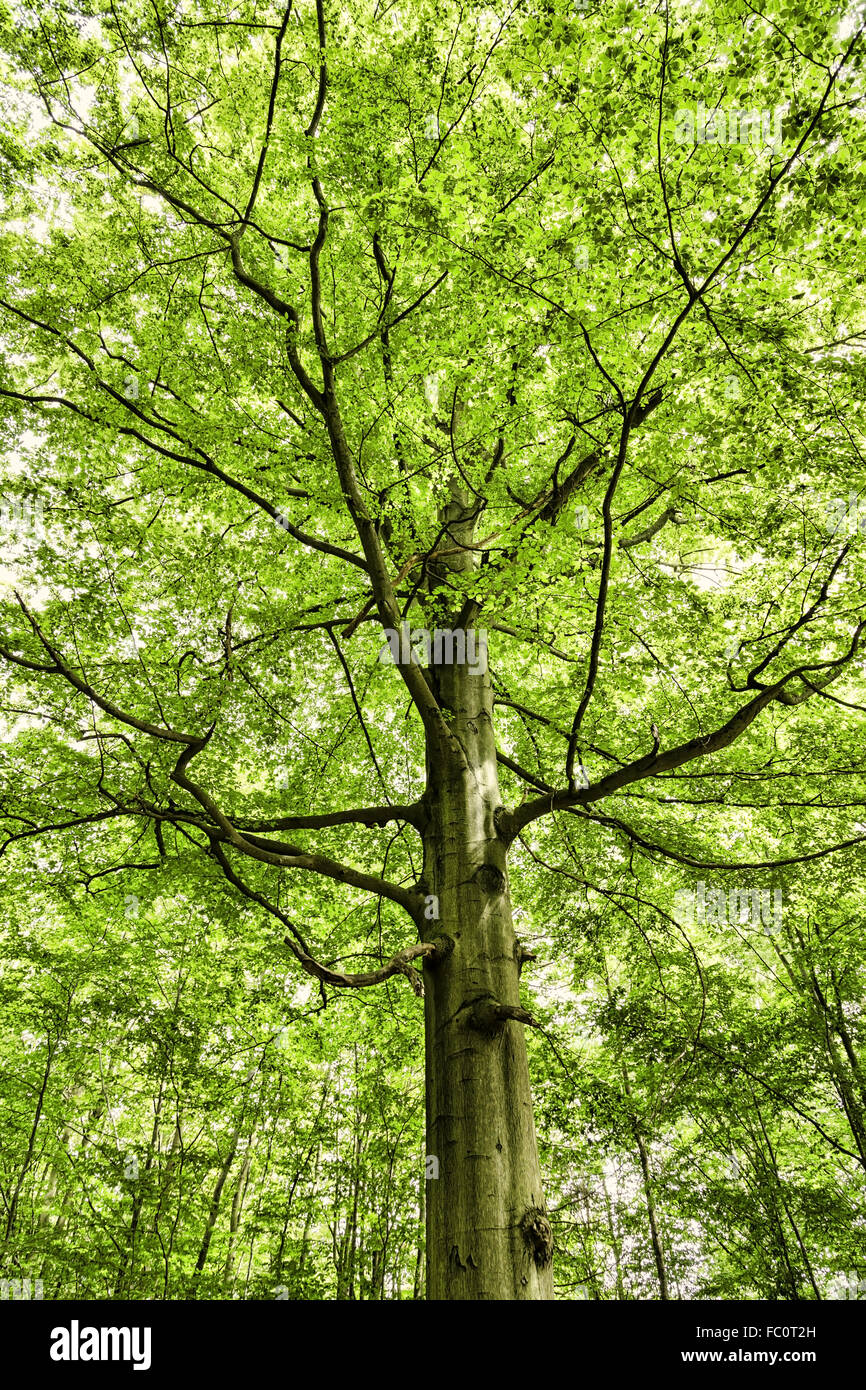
x,y
433,464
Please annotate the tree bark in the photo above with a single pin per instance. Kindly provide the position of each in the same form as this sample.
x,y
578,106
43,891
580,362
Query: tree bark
x,y
488,1236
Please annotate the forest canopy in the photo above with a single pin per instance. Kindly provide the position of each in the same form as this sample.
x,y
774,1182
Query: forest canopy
x,y
431,650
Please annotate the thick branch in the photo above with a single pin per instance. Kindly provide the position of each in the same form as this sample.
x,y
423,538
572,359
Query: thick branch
x,y
400,964
372,816
287,856
510,823
60,668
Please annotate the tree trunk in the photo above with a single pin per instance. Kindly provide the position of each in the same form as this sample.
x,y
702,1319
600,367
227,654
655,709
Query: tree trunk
x,y
643,1153
225,1168
237,1207
418,1283
488,1236
12,1206
658,1252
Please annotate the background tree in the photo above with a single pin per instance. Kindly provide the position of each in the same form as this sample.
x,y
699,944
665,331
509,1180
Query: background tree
x,y
533,327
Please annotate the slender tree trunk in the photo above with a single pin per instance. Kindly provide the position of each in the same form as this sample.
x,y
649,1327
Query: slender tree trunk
x,y
300,1172
615,1243
31,1145
774,1169
643,1153
830,1025
781,1267
488,1236
308,1220
352,1224
127,1266
418,1283
658,1252
237,1206
225,1168
213,1211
